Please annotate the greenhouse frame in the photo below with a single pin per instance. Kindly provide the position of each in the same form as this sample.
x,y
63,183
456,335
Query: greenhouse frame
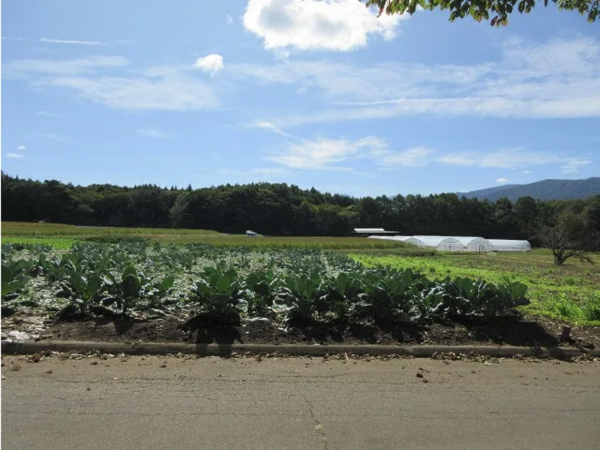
x,y
413,240
442,243
476,244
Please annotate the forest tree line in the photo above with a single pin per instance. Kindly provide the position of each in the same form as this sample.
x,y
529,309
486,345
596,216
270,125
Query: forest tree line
x,y
281,209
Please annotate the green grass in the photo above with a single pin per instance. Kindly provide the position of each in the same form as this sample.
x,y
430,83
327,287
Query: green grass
x,y
571,292
26,229
36,232
57,243
292,242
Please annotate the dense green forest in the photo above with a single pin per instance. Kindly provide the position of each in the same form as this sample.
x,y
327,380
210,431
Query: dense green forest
x,y
280,209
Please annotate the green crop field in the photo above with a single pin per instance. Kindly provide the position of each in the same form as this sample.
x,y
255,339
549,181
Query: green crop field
x,y
570,292
55,242
296,286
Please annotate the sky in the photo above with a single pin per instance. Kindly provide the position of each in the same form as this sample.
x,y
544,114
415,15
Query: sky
x,y
316,93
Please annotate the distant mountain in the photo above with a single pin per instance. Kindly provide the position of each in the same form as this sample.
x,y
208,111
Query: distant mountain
x,y
543,190
483,193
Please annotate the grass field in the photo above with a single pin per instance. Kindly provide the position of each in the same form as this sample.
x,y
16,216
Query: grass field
x,y
49,233
34,229
569,292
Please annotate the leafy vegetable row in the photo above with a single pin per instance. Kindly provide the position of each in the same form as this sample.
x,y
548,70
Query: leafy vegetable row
x,y
294,287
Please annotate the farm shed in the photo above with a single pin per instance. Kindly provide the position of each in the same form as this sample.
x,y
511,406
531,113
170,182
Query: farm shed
x,y
508,245
372,232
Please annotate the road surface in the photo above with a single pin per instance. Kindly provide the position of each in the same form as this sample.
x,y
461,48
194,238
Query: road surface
x,y
241,403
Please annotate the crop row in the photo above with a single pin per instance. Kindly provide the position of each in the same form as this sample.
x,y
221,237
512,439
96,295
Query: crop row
x,y
226,285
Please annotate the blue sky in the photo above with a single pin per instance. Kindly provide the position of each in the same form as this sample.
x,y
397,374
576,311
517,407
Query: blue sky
x,y
314,93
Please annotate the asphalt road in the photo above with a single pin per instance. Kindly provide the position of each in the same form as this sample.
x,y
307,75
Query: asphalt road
x,y
298,404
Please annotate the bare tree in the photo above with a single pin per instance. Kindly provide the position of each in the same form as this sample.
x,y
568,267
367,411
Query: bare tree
x,y
569,237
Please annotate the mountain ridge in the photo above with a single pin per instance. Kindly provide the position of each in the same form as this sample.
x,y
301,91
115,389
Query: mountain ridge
x,y
549,189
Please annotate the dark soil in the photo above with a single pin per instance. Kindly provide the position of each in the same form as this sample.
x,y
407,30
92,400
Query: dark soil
x,y
508,330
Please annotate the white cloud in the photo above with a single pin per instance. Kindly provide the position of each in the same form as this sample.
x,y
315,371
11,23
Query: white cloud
x,y
273,128
504,159
14,155
327,154
67,140
151,132
48,114
167,88
383,156
502,180
574,165
511,158
167,93
258,171
270,171
521,85
515,158
70,42
339,25
228,19
322,153
28,67
282,55
210,63
58,138
557,56
21,147
413,157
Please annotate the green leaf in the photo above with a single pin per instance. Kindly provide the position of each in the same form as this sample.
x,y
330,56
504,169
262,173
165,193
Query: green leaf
x,y
131,286
341,282
94,285
78,283
129,270
166,283
517,290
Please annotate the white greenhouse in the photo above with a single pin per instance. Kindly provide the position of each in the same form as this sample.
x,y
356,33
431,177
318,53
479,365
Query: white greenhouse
x,y
442,243
509,245
413,240
462,243
475,244
410,239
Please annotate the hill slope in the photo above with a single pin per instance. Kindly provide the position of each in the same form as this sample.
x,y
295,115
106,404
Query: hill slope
x,y
543,190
